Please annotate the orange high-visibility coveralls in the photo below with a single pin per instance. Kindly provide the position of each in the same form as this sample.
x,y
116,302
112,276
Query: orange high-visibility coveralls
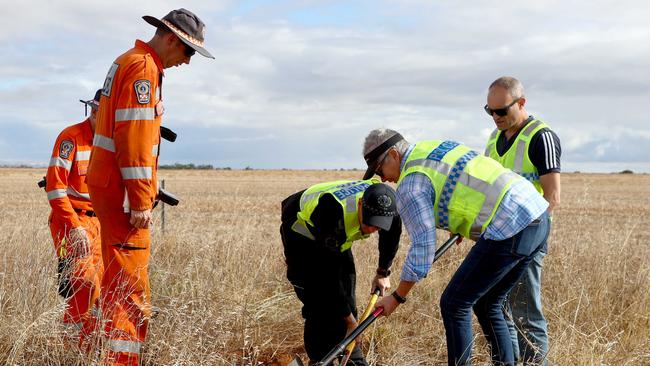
x,y
80,268
122,177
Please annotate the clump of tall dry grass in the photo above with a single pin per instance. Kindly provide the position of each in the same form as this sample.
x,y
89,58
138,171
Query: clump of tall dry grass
x,y
217,274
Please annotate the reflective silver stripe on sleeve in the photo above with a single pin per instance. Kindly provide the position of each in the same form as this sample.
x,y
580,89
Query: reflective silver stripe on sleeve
x,y
104,142
56,193
154,150
134,114
58,161
492,193
136,172
119,345
73,192
82,155
302,230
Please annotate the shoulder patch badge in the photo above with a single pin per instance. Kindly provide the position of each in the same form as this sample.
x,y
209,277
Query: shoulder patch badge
x,y
143,91
108,82
65,148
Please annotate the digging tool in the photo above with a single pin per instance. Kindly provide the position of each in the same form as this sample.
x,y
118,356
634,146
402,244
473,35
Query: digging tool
x,y
366,313
340,348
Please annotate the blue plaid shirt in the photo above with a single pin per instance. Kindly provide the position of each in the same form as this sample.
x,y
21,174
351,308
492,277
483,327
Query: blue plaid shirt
x,y
520,205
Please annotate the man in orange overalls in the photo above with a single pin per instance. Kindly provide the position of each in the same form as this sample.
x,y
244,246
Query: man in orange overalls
x,y
122,175
73,224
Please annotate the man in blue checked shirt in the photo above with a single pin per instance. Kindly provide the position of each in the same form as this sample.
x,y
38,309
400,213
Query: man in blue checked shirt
x,y
444,184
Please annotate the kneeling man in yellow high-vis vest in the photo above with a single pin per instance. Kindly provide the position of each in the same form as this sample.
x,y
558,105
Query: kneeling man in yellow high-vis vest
x,y
446,185
318,227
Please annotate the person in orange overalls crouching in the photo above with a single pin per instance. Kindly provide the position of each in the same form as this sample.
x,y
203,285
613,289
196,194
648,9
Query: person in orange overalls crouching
x,y
74,226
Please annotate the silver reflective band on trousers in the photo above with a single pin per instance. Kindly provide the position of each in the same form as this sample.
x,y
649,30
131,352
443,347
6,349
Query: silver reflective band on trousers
x,y
118,345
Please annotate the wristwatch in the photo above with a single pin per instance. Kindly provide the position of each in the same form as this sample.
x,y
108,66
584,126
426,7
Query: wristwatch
x,y
383,272
400,299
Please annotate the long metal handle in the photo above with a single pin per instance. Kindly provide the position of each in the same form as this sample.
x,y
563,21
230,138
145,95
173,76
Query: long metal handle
x,y
366,313
444,247
338,350
355,333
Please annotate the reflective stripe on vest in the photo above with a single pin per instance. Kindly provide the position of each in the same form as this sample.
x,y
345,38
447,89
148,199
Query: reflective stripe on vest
x,y
122,346
63,163
516,157
154,150
134,114
466,209
104,142
348,194
302,230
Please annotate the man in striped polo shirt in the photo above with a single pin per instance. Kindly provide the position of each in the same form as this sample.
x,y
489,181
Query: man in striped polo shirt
x,y
530,148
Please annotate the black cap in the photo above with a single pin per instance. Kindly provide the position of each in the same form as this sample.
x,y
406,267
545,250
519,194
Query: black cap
x,y
187,26
93,103
378,206
372,158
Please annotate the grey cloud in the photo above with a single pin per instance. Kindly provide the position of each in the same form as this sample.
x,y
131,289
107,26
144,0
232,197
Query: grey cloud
x,y
293,95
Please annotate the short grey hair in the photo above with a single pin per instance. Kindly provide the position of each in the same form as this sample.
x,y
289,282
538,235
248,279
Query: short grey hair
x,y
511,85
378,136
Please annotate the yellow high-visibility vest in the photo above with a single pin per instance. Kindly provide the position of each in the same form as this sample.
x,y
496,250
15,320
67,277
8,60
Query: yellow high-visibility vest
x,y
347,194
516,158
468,186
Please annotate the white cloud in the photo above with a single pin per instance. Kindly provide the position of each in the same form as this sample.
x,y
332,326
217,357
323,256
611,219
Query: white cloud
x,y
419,67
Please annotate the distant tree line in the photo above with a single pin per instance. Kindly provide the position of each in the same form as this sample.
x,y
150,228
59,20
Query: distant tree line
x,y
191,166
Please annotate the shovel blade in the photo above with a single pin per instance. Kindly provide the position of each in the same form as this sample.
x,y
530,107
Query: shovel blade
x,y
296,362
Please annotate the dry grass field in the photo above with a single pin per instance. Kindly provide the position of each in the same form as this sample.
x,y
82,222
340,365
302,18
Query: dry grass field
x,y
217,274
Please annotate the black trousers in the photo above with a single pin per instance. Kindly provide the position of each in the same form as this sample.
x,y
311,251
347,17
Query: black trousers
x,y
324,281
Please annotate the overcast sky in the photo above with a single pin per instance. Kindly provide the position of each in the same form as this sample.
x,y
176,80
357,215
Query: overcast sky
x,y
298,84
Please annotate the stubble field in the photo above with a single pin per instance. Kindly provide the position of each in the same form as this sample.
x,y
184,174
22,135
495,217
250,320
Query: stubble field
x,y
217,274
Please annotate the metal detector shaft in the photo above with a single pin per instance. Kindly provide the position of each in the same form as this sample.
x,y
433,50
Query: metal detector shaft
x,y
443,248
366,313
355,333
338,350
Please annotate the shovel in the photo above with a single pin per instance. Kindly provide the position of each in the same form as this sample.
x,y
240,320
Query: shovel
x,y
340,348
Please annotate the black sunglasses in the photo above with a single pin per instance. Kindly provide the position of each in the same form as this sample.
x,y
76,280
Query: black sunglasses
x,y
189,51
379,169
501,112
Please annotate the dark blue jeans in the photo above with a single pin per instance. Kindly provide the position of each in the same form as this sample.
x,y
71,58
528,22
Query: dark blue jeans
x,y
481,283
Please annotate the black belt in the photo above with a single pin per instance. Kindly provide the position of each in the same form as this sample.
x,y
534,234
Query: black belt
x,y
85,212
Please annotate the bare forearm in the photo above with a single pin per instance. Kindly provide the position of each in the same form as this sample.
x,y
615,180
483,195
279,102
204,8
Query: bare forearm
x,y
551,185
404,288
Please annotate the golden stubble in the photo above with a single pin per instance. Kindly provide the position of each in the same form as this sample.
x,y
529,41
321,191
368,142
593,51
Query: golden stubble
x,y
218,276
